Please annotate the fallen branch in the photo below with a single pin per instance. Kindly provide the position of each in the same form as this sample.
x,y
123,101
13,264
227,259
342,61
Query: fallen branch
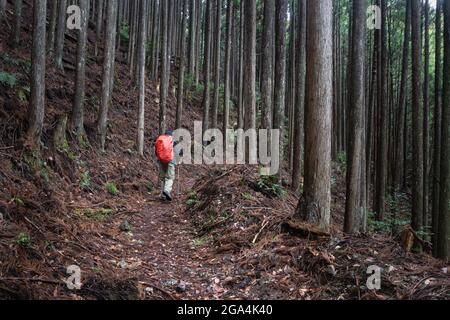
x,y
256,208
264,225
59,282
34,225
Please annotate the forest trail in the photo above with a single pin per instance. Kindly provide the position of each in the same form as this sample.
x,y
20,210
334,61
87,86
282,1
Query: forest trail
x,y
165,242
170,257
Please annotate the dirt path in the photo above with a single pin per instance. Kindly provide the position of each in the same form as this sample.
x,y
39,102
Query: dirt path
x,y
164,245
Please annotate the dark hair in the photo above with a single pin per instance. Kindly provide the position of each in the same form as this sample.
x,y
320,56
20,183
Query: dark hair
x,y
169,133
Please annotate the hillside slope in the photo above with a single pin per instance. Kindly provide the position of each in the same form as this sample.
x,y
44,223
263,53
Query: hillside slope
x,y
56,210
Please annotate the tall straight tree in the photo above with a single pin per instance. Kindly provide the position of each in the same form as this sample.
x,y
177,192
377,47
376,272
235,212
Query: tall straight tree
x,y
52,27
444,196
60,34
228,75
437,127
164,82
299,112
207,66
78,105
354,209
240,102
155,41
426,108
199,11
36,107
315,205
218,32
280,72
181,71
99,25
382,92
400,141
290,83
267,64
17,22
141,53
417,116
113,53
249,90
192,36
108,61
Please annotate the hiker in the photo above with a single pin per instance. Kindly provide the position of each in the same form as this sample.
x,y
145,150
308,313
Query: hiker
x,y
164,150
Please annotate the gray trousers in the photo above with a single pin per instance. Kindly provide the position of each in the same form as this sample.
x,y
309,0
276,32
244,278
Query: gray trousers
x,y
166,176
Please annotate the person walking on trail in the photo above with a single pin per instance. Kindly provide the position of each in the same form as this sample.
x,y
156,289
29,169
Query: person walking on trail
x,y
164,150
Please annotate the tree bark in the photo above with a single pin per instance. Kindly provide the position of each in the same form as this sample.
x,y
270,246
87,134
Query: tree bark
x,y
267,64
426,108
36,107
78,105
192,36
60,34
354,209
249,91
164,84
108,61
52,28
417,125
182,67
99,25
437,127
228,76
399,165
382,93
280,74
17,22
207,66
198,37
299,113
291,85
141,54
215,109
314,207
444,197
241,68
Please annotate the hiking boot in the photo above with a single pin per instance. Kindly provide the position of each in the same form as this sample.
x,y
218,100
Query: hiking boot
x,y
167,195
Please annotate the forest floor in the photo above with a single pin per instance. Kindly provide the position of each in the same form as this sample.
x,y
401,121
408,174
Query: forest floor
x,y
229,234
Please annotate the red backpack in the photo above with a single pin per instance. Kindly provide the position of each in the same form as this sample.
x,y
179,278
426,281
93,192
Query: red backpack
x,y
164,149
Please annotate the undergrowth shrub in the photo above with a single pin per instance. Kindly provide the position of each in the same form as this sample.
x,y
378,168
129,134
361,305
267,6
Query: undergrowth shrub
x,y
270,185
7,79
85,180
112,188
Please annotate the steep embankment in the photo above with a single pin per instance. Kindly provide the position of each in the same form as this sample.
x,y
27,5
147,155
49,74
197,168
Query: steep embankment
x,y
65,206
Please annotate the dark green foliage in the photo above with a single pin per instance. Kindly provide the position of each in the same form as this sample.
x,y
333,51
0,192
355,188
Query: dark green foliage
x,y
269,186
7,79
125,32
23,240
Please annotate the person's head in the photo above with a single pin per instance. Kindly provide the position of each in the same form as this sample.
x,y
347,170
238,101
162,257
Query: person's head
x,y
169,133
